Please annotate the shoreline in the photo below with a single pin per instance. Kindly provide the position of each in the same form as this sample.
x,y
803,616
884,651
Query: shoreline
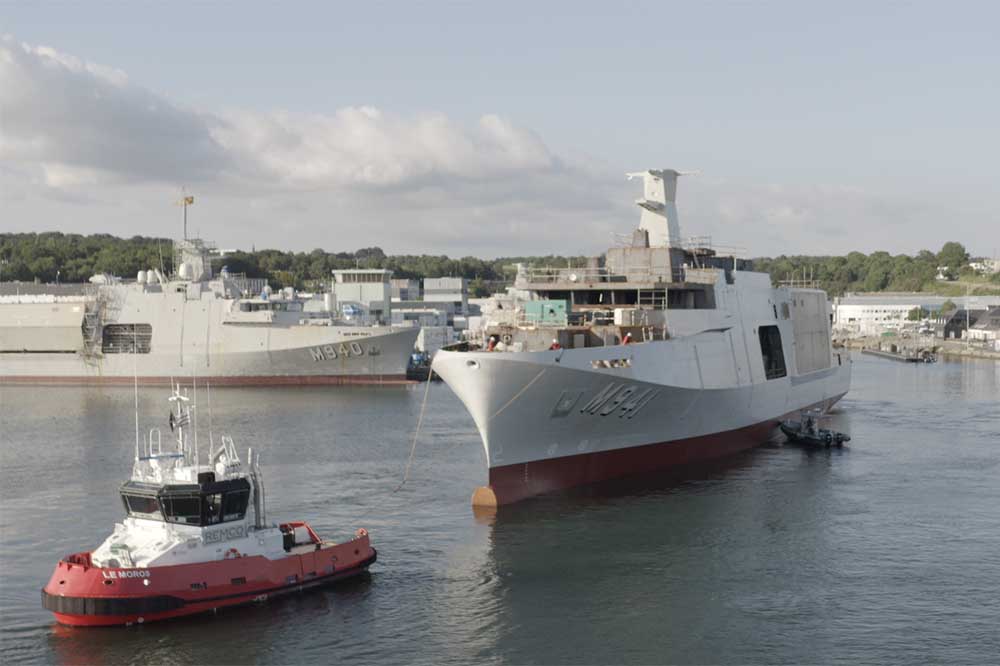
x,y
954,348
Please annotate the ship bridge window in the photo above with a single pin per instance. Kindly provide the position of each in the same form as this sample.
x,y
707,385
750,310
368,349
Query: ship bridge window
x,y
182,509
126,338
771,352
234,505
211,509
224,501
142,506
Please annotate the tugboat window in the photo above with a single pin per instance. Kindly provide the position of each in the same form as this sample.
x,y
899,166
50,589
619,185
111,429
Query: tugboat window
x,y
185,510
770,350
212,509
234,506
139,506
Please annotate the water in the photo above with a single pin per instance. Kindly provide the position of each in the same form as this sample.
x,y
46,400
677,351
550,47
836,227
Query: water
x,y
887,551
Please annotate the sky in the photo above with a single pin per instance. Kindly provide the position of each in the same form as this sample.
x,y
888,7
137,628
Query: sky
x,y
494,129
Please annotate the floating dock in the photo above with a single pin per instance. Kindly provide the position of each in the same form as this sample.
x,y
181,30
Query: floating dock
x,y
913,357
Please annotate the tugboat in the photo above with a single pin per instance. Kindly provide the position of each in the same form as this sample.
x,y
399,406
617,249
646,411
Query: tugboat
x,y
807,431
195,539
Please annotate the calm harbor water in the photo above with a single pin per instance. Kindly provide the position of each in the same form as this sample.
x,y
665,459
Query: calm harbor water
x,y
887,551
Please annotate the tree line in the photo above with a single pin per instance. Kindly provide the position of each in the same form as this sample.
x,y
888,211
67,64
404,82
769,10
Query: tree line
x,y
878,271
58,257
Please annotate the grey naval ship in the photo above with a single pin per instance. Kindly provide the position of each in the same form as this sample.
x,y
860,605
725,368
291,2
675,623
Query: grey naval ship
x,y
195,324
663,352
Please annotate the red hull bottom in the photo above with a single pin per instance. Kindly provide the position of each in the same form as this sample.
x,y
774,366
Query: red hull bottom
x,y
226,597
208,605
513,483
83,595
257,380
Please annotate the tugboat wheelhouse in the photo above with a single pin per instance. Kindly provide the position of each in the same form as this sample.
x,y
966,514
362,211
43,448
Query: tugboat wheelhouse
x,y
203,504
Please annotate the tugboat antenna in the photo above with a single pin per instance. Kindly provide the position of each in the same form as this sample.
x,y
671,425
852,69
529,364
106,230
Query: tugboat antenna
x,y
135,384
194,420
211,441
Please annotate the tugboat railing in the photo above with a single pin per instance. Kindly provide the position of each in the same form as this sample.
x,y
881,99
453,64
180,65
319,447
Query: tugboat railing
x,y
152,449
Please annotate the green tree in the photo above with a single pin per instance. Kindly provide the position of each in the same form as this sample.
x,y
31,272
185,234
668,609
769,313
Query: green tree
x,y
953,255
948,306
877,278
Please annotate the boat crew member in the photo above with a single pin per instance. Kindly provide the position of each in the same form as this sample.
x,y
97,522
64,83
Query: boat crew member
x,y
492,344
555,345
627,339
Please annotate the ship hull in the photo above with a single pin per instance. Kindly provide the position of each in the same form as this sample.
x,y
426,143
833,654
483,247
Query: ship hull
x,y
86,596
513,483
219,380
549,422
319,356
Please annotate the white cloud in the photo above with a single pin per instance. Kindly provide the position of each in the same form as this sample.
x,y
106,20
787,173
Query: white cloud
x,y
84,148
363,146
69,116
84,123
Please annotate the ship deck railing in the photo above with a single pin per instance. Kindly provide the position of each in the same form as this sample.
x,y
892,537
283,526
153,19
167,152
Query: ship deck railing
x,y
550,275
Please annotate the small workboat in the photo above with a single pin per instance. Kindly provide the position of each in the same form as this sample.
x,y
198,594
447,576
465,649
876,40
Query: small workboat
x,y
195,539
807,431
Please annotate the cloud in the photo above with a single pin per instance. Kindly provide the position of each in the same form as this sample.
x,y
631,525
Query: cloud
x,y
85,148
360,173
816,219
363,146
81,123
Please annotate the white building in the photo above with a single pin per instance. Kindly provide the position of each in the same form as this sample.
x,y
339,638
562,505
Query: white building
x,y
986,266
876,313
987,329
433,338
367,291
405,290
448,290
419,316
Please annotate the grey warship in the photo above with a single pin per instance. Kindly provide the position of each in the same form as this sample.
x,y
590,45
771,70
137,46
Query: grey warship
x,y
196,324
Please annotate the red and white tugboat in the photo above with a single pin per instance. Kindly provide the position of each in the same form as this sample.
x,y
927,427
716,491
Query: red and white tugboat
x,y
195,539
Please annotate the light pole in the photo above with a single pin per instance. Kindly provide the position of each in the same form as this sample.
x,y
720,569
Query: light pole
x,y
185,202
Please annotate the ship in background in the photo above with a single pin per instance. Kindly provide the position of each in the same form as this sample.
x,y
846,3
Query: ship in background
x,y
224,329
663,352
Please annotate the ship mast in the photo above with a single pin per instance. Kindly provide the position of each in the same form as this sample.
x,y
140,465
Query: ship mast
x,y
659,209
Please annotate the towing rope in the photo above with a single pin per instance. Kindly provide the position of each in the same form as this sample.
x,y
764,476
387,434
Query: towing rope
x,y
416,433
413,449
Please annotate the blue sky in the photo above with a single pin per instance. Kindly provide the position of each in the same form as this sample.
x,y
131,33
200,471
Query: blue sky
x,y
816,128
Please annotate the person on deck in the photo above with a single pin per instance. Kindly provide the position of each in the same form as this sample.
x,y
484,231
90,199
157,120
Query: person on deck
x,y
492,344
555,345
627,339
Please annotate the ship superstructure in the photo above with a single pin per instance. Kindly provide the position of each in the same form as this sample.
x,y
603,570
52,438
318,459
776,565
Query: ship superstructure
x,y
196,324
663,352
